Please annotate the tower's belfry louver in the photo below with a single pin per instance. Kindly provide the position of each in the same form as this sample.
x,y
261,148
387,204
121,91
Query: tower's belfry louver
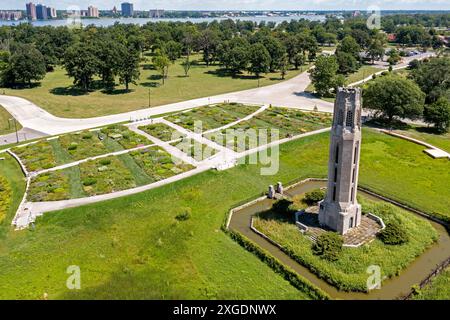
x,y
340,211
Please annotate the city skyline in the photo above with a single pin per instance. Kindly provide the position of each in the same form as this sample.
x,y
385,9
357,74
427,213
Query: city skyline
x,y
244,4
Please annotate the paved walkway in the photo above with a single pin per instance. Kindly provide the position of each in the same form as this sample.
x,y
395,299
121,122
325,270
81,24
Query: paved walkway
x,y
290,93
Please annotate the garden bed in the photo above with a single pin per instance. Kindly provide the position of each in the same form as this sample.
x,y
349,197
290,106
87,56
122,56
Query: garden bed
x,y
5,198
212,117
195,149
158,164
49,186
280,123
349,271
124,136
162,132
36,156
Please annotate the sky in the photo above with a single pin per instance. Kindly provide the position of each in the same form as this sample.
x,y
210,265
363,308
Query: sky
x,y
242,4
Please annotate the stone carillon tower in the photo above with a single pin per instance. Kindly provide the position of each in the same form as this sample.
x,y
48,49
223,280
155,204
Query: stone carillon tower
x,y
339,210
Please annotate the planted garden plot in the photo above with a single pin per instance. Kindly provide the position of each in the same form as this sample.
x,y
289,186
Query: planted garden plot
x,y
81,145
124,136
36,156
270,125
212,117
158,164
49,186
105,175
195,149
162,132
5,197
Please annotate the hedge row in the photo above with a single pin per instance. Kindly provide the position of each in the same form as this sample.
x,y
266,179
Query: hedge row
x,y
287,273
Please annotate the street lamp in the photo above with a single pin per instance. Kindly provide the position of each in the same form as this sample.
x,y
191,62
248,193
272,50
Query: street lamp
x,y
15,128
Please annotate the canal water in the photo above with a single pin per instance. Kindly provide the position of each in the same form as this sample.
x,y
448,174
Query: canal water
x,y
393,288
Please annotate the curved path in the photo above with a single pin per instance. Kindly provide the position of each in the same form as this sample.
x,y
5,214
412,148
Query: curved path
x,y
289,93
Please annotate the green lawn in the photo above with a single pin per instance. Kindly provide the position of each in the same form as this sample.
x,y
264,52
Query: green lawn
x,y
362,73
7,126
349,271
439,289
56,95
422,133
134,247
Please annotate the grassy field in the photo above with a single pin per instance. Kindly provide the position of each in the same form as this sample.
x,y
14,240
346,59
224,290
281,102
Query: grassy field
x,y
56,95
425,134
349,271
7,126
134,247
439,289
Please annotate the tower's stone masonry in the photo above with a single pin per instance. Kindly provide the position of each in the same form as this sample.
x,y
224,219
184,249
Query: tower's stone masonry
x,y
339,210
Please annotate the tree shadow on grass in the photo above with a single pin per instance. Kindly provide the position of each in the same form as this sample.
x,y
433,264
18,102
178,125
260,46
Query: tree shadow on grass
x,y
117,91
225,73
25,86
429,130
382,123
68,91
150,84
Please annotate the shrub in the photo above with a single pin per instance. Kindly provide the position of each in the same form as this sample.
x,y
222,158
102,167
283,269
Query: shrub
x,y
89,182
283,206
184,215
314,196
72,146
87,136
105,162
328,245
393,234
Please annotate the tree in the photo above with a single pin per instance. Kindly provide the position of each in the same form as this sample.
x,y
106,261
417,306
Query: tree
x,y
110,56
349,45
324,75
173,50
393,95
207,42
394,57
237,59
162,63
81,63
26,64
347,62
438,114
375,50
186,64
433,77
128,69
259,60
276,51
284,67
394,233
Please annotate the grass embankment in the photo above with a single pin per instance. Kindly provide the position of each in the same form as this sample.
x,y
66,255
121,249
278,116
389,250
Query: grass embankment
x,y
441,141
56,94
133,247
11,172
438,289
349,272
7,126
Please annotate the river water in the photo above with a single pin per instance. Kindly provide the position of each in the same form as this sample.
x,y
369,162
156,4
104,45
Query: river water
x,y
104,22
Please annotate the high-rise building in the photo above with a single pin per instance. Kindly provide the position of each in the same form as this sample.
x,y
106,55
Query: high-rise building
x,y
51,13
31,11
93,12
10,15
340,210
156,13
41,12
127,9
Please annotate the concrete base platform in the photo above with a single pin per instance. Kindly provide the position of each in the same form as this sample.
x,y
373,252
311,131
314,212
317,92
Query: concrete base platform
x,y
308,223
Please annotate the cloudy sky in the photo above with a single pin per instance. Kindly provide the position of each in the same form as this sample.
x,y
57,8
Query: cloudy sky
x,y
244,4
